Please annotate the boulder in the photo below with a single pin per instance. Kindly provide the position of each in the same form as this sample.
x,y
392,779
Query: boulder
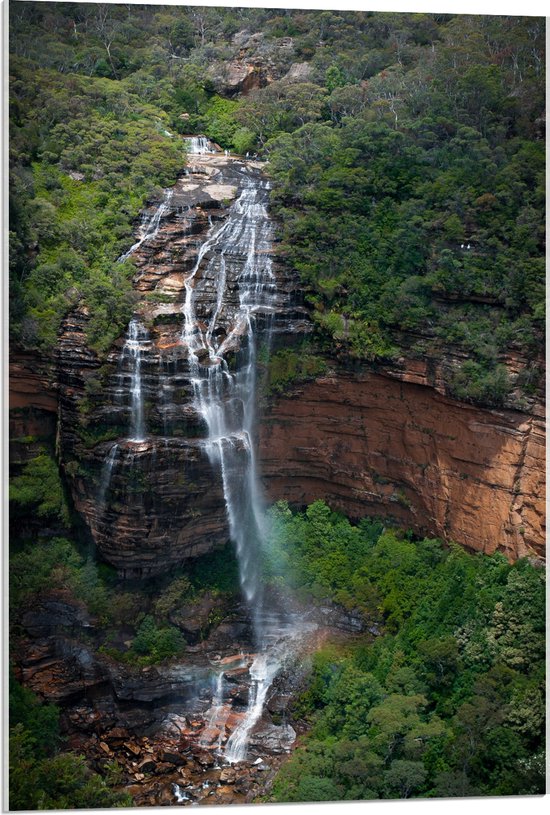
x,y
172,757
132,748
274,738
147,765
204,758
227,776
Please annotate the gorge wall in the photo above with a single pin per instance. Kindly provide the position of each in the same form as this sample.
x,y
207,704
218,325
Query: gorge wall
x,y
388,444
385,442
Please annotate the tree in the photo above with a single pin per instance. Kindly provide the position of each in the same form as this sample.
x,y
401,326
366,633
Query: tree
x,y
404,777
390,721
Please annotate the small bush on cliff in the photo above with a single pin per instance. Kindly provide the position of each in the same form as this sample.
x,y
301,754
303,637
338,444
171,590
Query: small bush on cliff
x,y
154,644
54,563
175,594
290,367
47,564
474,383
39,489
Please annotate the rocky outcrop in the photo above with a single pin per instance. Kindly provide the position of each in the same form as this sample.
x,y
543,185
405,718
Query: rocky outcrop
x,y
32,384
388,444
33,407
299,72
255,63
244,75
162,723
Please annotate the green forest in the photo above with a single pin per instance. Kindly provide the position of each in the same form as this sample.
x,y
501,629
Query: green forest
x,y
407,159
449,701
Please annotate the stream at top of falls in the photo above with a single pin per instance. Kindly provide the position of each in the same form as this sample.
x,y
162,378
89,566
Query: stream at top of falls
x,y
222,372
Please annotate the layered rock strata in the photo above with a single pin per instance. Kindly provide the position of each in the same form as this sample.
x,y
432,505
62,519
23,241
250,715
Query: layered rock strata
x,y
389,444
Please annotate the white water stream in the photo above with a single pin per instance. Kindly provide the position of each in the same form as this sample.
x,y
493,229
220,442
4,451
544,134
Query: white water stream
x,y
136,338
198,145
226,399
150,226
106,474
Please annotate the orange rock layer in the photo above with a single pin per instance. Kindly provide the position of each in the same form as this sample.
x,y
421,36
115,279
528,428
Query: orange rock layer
x,y
370,444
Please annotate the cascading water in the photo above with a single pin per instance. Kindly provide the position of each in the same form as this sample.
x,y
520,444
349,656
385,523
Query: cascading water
x,y
198,145
150,226
106,475
226,400
213,732
136,338
180,795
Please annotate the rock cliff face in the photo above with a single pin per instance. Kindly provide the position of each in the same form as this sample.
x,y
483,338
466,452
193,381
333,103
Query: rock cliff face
x,y
388,444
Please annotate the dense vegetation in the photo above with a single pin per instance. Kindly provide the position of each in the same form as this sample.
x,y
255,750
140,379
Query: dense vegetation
x,y
406,150
412,199
450,700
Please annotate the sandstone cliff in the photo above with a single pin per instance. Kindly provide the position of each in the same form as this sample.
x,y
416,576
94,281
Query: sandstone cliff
x,y
369,443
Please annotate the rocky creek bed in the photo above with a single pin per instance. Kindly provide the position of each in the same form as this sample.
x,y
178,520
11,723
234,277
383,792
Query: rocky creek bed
x,y
162,725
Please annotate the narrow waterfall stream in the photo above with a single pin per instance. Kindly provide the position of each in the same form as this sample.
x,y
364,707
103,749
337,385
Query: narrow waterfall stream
x,y
198,145
106,475
136,338
150,225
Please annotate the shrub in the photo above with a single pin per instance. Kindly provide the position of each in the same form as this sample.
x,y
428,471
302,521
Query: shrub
x,y
39,487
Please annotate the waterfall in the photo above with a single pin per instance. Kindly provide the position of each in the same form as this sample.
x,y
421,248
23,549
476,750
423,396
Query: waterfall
x,y
262,673
149,227
198,145
136,337
227,400
180,794
219,713
106,474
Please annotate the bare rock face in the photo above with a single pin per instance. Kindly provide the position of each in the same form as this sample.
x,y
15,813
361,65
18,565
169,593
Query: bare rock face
x,y
33,407
255,63
375,443
242,76
299,72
